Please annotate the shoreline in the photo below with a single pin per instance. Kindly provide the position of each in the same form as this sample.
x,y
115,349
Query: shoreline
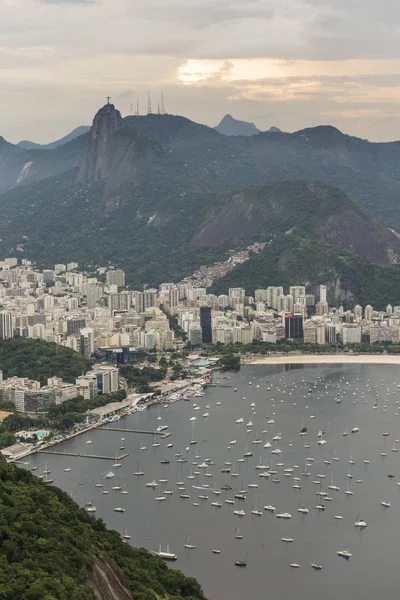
x,y
368,359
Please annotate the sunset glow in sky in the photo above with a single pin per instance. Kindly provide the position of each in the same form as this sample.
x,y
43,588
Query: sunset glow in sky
x,y
289,63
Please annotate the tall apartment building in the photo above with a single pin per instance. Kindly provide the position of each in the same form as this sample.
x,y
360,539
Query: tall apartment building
x,y
107,379
75,324
273,293
143,300
322,293
86,342
205,324
238,293
116,277
6,325
368,312
297,291
119,302
95,291
294,327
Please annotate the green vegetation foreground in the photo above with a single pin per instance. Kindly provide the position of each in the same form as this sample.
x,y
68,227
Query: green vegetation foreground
x,y
48,548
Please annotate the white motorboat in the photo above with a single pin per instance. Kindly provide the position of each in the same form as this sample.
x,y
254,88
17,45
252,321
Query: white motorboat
x,y
344,553
110,475
360,523
284,515
303,510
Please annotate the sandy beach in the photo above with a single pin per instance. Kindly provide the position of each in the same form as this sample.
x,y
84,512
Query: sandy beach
x,y
368,359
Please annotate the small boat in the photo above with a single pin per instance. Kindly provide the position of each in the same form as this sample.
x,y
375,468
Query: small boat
x,y
338,517
284,515
152,484
385,504
116,487
240,563
361,524
239,513
165,555
110,475
126,536
91,509
355,429
188,545
294,565
165,461
67,470
238,535
288,540
119,509
214,551
344,554
303,510
316,566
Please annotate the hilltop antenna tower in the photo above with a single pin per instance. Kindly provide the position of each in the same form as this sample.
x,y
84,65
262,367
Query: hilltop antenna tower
x,y
131,108
158,108
149,111
162,104
137,108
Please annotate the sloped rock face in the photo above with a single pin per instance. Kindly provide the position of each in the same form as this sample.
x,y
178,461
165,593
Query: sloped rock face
x,y
96,164
108,582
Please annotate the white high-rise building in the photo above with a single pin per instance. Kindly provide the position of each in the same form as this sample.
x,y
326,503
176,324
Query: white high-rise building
x,y
322,293
368,312
6,325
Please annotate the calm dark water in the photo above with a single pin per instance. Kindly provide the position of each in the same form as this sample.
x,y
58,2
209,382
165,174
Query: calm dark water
x,y
372,570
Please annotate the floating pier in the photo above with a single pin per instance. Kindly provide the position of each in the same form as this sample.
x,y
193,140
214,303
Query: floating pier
x,y
163,434
117,458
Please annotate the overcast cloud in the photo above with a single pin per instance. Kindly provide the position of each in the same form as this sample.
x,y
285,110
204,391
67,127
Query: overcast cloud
x,y
290,63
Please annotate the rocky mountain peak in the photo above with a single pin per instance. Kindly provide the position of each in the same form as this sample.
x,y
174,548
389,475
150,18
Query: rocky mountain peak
x,y
233,127
95,160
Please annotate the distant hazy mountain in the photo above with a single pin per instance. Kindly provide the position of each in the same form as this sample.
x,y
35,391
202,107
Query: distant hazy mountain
x,y
274,130
26,145
232,127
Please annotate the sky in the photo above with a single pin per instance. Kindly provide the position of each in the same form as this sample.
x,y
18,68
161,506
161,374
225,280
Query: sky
x,y
288,63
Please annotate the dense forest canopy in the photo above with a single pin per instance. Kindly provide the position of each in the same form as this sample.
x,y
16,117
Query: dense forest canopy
x,y
48,546
39,360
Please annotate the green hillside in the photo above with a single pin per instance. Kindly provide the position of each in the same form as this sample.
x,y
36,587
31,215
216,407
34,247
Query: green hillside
x,y
293,260
39,360
52,550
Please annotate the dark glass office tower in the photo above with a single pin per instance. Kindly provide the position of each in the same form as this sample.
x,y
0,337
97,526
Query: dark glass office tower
x,y
294,327
205,323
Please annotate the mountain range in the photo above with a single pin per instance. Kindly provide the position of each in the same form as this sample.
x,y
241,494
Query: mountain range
x,y
160,195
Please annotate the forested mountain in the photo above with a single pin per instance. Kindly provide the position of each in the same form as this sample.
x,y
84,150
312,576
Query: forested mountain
x,y
50,548
159,195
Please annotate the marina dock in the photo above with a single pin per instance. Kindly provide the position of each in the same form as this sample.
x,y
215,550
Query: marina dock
x,y
115,458
163,434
